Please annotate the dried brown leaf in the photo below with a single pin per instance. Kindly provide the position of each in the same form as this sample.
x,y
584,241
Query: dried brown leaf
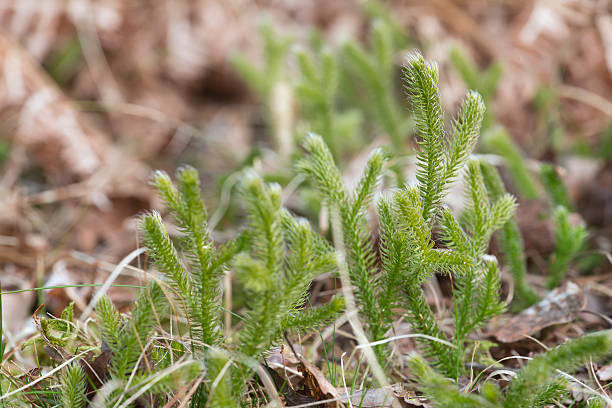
x,y
562,305
316,384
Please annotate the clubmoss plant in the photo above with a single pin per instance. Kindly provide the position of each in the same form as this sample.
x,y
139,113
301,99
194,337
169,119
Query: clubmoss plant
x,y
408,256
547,104
327,100
510,242
126,338
498,141
485,81
271,83
319,167
129,341
283,257
380,11
286,255
596,402
570,231
375,70
198,280
540,383
569,240
264,78
495,137
274,259
443,392
317,92
72,392
534,377
221,392
554,186
132,373
440,160
604,150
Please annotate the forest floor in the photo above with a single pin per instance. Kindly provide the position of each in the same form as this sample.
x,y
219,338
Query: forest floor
x,y
95,95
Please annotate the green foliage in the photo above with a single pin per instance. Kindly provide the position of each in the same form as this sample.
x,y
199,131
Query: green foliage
x,y
434,179
498,141
475,275
219,372
483,81
72,391
510,241
570,237
284,255
127,338
129,341
604,151
554,186
110,320
441,391
476,297
379,11
273,70
537,384
596,402
424,261
271,83
5,150
65,61
199,288
569,240
551,393
334,89
320,169
318,93
407,217
394,254
536,377
374,72
59,332
549,125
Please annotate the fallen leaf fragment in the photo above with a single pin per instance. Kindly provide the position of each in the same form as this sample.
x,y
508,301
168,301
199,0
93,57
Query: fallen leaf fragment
x,y
316,384
562,305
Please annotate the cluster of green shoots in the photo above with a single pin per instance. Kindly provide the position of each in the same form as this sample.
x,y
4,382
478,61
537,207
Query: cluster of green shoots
x,y
330,104
419,237
175,341
275,260
570,238
345,94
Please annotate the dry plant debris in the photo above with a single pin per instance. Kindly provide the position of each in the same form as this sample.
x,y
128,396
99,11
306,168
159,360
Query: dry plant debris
x,y
561,305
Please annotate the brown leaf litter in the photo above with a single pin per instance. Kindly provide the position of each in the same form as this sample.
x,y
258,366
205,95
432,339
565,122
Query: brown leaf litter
x,y
561,305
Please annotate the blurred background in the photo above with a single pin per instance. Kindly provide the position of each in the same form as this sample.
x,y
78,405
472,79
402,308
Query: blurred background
x,y
96,94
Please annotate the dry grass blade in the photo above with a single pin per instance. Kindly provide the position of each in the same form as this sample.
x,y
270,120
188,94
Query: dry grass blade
x,y
351,309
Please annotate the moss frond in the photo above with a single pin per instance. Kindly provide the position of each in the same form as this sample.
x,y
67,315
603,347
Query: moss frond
x,y
534,377
510,240
440,390
72,386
